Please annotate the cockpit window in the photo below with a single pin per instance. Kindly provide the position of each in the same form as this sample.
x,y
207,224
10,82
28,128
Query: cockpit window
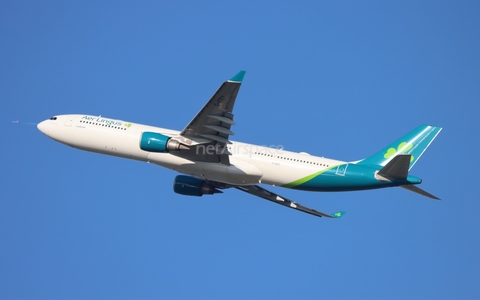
x,y
53,118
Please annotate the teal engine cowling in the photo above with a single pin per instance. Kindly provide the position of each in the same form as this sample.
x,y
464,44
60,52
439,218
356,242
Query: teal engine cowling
x,y
156,142
191,186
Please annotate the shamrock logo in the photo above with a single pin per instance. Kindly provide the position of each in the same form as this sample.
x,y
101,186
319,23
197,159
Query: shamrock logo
x,y
128,125
402,148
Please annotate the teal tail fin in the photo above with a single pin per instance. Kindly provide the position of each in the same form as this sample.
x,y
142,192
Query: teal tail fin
x,y
414,143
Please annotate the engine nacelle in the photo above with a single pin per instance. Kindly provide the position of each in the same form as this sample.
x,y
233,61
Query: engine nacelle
x,y
191,186
156,142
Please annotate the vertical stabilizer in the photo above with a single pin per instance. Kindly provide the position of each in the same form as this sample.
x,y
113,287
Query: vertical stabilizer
x,y
414,143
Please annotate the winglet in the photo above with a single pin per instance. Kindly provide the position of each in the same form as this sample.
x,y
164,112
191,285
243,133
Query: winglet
x,y
238,77
338,214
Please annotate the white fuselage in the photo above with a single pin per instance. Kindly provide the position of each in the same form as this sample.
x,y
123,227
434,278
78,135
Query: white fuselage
x,y
249,164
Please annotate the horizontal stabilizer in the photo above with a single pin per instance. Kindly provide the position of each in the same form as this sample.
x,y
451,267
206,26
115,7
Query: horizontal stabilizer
x,y
397,168
418,190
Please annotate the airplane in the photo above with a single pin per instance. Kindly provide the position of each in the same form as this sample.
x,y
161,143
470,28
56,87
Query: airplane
x,y
211,162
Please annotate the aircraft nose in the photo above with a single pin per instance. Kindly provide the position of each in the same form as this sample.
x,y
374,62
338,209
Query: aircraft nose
x,y
42,126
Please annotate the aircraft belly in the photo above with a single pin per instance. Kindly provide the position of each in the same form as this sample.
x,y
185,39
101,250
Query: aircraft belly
x,y
237,173
100,141
168,161
278,174
284,175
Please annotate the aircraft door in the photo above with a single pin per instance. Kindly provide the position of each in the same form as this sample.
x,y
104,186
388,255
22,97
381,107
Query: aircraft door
x,y
69,121
341,169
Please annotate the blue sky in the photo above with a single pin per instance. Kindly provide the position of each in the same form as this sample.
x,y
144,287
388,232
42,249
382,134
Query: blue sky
x,y
339,79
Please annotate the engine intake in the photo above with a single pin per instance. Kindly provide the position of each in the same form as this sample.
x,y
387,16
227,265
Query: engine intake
x,y
156,142
191,186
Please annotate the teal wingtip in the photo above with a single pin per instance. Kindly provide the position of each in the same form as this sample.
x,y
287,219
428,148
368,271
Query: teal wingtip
x,y
338,214
238,77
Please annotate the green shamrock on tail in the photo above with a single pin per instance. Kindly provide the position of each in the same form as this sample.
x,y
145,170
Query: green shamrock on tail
x,y
402,148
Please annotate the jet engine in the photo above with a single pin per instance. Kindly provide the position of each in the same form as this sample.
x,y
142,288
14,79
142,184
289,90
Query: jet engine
x,y
191,186
156,142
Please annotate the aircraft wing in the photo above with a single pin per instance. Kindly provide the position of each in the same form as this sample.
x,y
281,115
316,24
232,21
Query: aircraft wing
x,y
212,123
265,194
